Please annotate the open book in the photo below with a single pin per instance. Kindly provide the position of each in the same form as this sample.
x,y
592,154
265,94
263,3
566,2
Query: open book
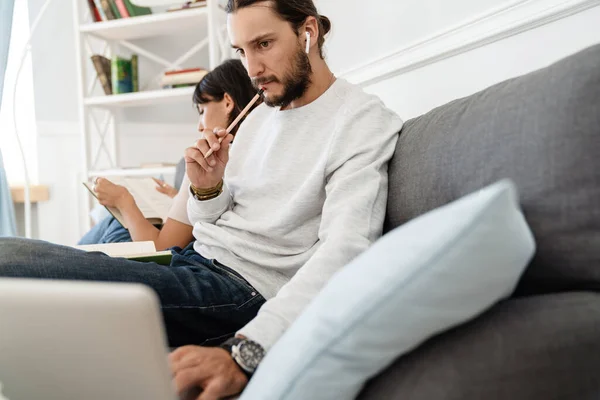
x,y
153,204
138,251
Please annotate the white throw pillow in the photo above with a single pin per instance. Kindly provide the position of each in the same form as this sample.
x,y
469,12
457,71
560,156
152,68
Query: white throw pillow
x,y
431,274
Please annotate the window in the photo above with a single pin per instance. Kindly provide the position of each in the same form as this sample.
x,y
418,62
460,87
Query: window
x,y
13,164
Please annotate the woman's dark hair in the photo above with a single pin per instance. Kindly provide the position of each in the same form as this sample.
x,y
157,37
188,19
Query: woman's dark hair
x,y
230,77
293,11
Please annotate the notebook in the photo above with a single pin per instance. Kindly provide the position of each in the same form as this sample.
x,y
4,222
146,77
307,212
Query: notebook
x,y
153,204
137,251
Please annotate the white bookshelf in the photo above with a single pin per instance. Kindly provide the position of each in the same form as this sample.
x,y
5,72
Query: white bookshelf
x,y
98,113
148,25
140,99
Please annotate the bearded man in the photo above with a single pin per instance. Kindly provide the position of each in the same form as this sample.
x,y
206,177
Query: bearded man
x,y
300,194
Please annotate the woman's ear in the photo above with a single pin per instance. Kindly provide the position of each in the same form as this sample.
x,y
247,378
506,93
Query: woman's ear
x,y
229,104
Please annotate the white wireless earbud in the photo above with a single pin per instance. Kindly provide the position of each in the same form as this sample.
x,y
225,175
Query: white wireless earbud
x,y
307,42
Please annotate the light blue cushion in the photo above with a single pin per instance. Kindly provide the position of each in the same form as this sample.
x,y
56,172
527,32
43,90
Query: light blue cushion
x,y
433,273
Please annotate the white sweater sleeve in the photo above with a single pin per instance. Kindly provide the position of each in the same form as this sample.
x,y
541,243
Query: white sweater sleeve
x,y
352,216
208,210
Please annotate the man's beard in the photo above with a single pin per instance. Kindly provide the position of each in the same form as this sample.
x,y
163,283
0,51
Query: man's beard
x,y
295,82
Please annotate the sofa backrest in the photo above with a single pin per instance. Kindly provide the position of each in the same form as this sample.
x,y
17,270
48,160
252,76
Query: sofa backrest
x,y
543,131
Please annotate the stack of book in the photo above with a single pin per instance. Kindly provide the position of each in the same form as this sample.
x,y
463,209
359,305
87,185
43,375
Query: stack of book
x,y
119,75
106,10
182,78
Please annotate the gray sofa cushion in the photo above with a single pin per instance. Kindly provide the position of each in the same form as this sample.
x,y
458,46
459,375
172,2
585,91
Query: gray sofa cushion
x,y
543,131
530,348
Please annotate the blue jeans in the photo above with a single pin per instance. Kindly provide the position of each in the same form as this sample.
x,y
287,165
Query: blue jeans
x,y
109,230
203,302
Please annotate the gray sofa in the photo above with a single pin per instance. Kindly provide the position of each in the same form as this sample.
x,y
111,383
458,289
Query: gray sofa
x,y
543,131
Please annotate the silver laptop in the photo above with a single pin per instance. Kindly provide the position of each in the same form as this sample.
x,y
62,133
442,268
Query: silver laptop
x,y
62,340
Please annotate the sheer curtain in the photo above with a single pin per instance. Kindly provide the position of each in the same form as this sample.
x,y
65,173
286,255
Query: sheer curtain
x,y
7,212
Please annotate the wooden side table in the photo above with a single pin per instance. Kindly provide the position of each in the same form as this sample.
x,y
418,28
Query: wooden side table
x,y
39,193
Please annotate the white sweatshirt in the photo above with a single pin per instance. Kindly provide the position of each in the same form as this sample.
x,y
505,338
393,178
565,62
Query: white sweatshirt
x,y
305,192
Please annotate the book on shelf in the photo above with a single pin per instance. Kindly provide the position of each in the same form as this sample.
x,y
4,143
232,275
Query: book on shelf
x,y
100,10
114,9
153,205
188,5
121,75
102,65
124,75
106,10
122,8
94,11
136,11
135,80
184,71
138,251
189,76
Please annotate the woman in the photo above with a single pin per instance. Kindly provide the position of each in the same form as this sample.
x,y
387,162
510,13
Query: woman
x,y
219,98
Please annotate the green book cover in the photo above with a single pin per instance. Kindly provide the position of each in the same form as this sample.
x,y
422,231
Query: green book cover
x,y
135,80
161,257
136,11
114,8
121,75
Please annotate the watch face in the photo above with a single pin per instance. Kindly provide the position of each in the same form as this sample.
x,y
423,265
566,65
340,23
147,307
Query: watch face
x,y
250,354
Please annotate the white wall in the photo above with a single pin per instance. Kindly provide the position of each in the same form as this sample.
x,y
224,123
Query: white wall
x,y
414,54
419,55
366,30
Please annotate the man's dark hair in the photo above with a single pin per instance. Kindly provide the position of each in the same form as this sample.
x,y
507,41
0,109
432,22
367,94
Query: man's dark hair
x,y
230,77
293,11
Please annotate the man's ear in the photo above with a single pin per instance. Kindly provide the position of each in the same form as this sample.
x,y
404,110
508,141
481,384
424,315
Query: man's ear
x,y
229,103
312,27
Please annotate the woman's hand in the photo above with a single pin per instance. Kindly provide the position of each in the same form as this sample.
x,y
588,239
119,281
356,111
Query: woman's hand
x,y
112,195
165,188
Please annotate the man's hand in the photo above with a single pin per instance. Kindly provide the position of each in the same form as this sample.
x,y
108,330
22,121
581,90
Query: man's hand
x,y
112,195
209,368
207,173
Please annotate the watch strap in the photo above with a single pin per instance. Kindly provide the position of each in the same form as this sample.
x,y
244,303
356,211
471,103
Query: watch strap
x,y
229,343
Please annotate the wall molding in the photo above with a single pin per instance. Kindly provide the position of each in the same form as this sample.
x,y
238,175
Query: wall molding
x,y
502,22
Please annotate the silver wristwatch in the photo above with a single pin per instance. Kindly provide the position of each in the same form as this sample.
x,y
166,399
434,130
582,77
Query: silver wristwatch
x,y
246,353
